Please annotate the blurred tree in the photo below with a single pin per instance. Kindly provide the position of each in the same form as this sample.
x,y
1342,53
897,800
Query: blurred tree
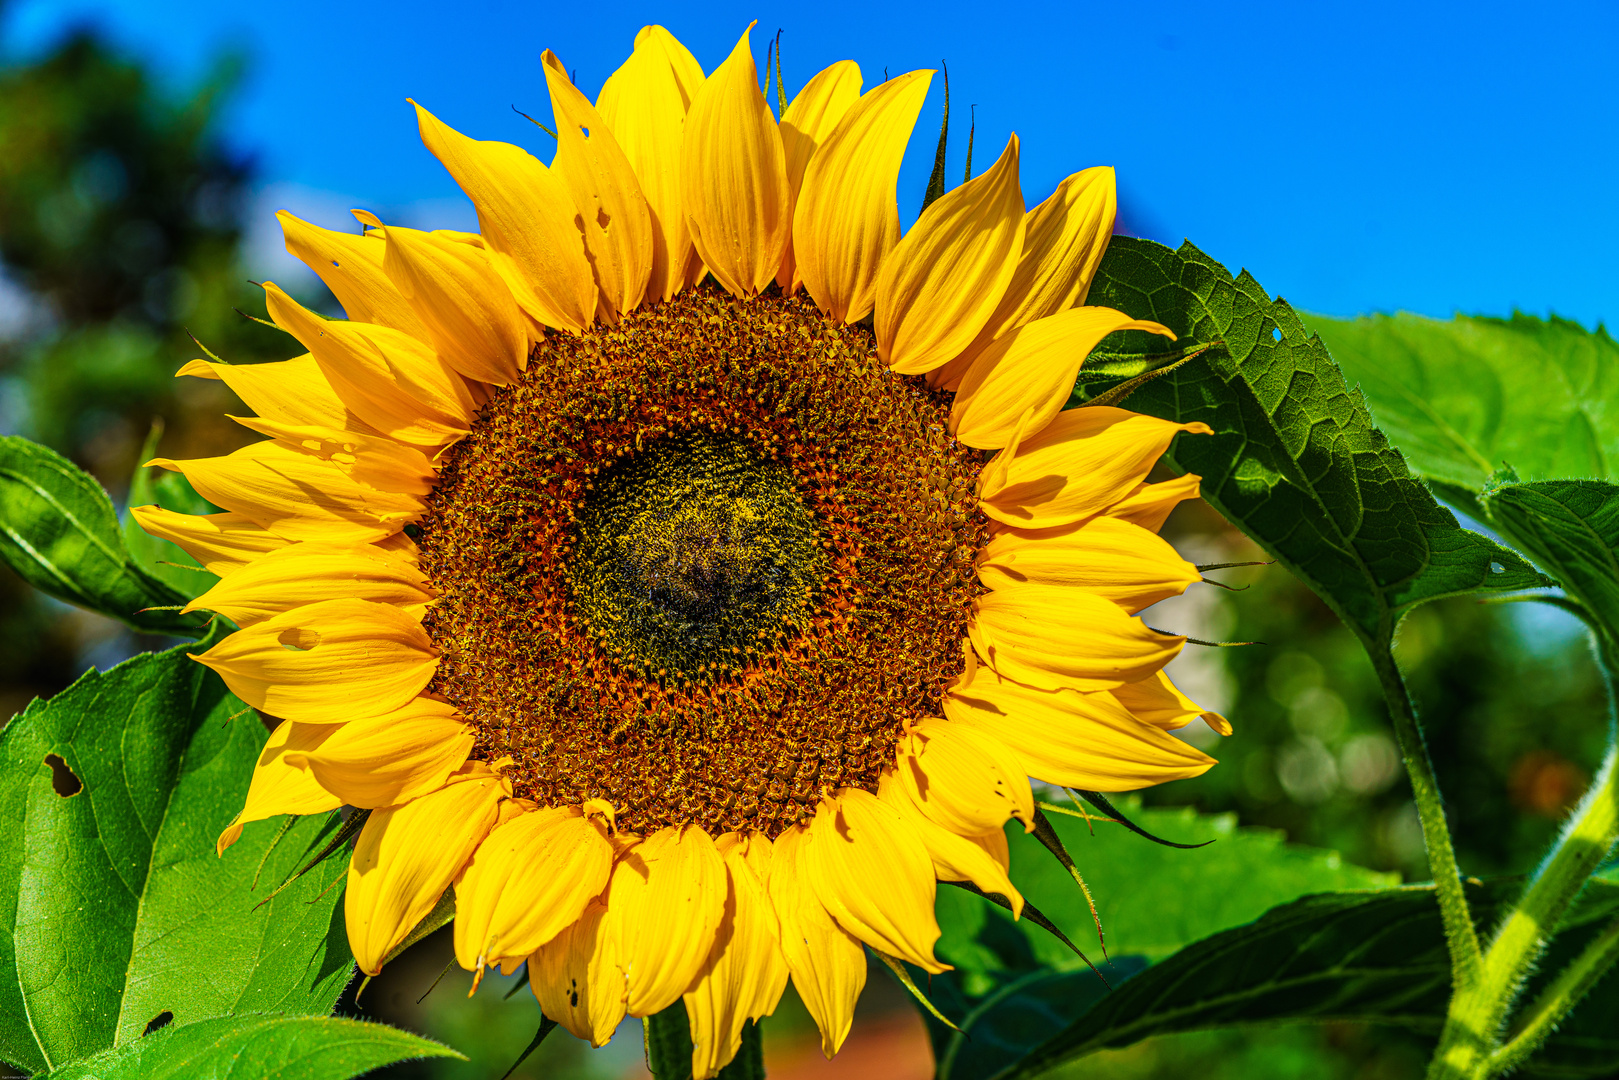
x,y
120,228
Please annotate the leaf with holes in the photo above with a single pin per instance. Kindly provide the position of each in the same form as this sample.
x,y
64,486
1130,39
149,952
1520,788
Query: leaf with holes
x,y
1377,956
1463,397
1014,983
1571,529
114,910
59,532
1295,461
257,1047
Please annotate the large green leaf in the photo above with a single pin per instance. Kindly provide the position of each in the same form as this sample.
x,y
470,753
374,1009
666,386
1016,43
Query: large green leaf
x,y
1570,528
161,558
257,1047
1463,397
1351,956
114,909
1295,460
59,532
1015,983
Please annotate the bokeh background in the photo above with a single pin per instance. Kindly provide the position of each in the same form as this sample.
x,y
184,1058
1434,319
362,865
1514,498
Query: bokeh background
x,y
1354,157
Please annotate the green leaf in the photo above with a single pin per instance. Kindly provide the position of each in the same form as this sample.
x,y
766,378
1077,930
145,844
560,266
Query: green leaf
x,y
1152,900
161,558
1571,529
257,1047
1014,984
1465,396
114,908
1295,461
1347,956
59,533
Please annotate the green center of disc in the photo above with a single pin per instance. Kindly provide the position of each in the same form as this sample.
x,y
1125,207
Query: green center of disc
x,y
694,557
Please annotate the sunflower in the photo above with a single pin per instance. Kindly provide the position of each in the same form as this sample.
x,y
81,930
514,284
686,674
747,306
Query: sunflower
x,y
689,570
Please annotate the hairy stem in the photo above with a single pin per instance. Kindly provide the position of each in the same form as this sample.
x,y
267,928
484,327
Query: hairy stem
x,y
1555,1001
1467,1047
1466,960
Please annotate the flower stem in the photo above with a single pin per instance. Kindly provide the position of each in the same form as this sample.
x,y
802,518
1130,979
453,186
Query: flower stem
x,y
1467,1047
1556,1000
1466,958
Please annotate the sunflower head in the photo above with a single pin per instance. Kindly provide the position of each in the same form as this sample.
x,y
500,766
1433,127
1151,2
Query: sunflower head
x,y
691,568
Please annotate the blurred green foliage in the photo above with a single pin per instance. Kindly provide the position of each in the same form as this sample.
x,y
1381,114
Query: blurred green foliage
x,y
121,210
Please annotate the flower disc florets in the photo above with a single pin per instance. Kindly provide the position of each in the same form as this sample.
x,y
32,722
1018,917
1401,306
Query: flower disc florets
x,y
704,564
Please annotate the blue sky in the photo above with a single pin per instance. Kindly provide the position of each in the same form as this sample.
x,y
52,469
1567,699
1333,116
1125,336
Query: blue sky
x,y
1354,157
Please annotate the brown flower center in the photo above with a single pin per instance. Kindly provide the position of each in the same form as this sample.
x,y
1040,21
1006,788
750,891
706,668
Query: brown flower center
x,y
704,564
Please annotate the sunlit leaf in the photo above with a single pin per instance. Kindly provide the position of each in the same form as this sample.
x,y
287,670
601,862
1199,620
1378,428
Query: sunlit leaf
x,y
258,1047
1295,460
1571,529
114,909
1465,396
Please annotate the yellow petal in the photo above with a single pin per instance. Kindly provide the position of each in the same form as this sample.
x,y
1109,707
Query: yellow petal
x,y
280,786
578,976
612,210
1086,741
328,662
390,380
1082,462
827,964
467,313
1065,239
1159,702
290,391
223,543
1032,368
733,177
351,266
373,460
1049,637
406,856
942,282
874,876
1149,504
530,880
308,573
666,912
1112,558
745,973
391,758
644,103
811,115
527,219
846,221
688,72
298,495
954,857
963,779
